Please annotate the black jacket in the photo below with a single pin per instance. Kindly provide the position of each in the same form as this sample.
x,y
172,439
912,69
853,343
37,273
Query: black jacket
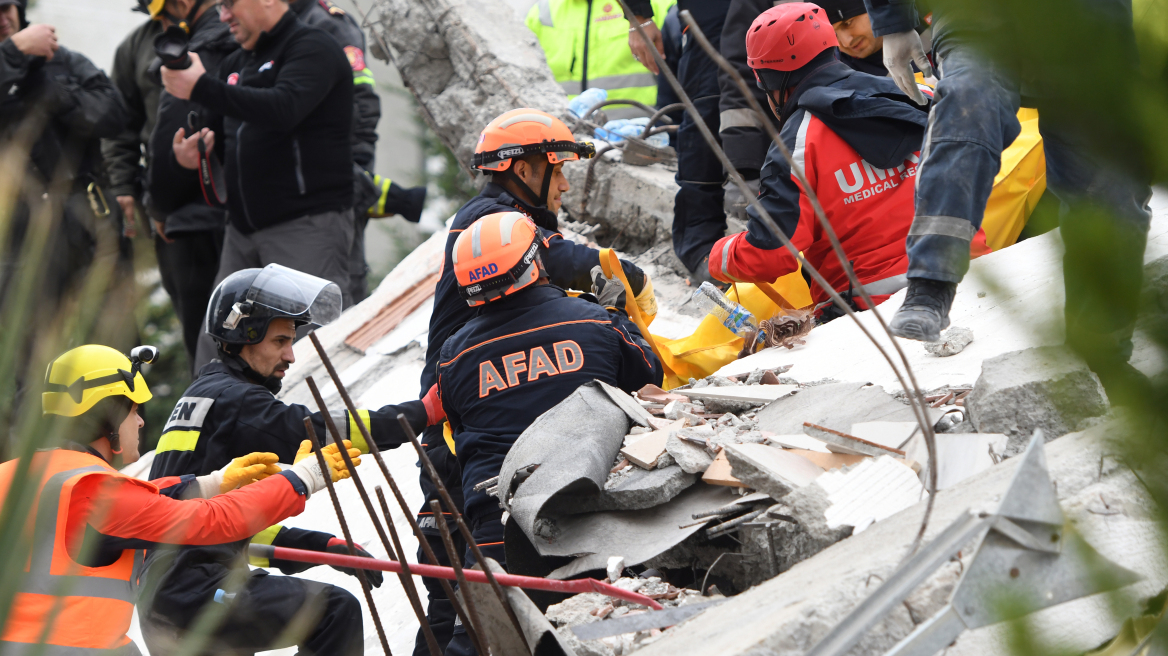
x,y
287,113
140,91
174,195
224,415
520,357
743,138
569,265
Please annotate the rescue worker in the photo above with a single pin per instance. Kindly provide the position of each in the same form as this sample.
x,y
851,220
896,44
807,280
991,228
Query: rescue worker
x,y
71,104
859,47
524,151
373,195
857,138
283,105
585,45
699,218
230,410
973,120
90,555
529,348
188,222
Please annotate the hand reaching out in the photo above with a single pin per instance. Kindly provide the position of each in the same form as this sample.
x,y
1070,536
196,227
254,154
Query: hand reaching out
x,y
186,149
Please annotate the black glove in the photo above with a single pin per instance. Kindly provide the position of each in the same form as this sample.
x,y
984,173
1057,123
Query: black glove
x,y
635,276
609,291
339,546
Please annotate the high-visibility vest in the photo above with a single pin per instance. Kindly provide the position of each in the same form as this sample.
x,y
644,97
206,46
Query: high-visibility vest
x,y
587,45
90,607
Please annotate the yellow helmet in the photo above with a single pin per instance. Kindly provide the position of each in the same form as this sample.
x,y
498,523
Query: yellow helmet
x,y
81,377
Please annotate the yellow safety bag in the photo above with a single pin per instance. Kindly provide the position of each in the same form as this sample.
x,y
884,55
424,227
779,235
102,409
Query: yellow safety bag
x,y
712,346
1018,185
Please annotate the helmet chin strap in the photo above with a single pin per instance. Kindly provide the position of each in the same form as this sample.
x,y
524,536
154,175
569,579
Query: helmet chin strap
x,y
541,200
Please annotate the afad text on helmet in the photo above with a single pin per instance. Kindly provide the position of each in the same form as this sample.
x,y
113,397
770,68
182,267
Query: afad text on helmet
x,y
484,271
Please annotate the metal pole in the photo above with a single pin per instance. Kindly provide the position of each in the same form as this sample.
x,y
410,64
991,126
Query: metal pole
x,y
328,479
769,222
456,564
457,514
406,581
427,550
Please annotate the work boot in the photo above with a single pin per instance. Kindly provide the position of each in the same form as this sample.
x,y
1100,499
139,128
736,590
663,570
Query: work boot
x,y
701,274
925,312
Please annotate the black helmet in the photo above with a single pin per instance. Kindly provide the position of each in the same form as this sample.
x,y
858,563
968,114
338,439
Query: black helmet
x,y
21,6
247,301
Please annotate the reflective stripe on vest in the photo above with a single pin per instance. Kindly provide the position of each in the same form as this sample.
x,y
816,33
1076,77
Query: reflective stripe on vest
x,y
90,607
606,62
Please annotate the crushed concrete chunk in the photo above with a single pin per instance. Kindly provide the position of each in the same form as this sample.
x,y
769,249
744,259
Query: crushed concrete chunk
x,y
638,489
771,470
808,534
892,434
1046,388
692,458
953,341
836,406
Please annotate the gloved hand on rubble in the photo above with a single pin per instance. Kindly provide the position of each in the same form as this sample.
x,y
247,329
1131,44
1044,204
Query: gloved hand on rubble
x,y
339,546
900,49
610,292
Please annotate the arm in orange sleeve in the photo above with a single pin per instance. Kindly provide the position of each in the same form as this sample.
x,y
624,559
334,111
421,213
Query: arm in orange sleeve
x,y
133,514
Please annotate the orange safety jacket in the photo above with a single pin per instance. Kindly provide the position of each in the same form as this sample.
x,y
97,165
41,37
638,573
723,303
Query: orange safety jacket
x,y
99,603
78,610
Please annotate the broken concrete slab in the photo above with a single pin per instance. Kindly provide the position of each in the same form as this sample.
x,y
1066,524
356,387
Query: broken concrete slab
x,y
641,489
892,434
787,615
635,535
1047,388
953,341
840,442
797,442
808,533
872,490
692,458
770,469
959,455
646,449
829,461
836,406
754,394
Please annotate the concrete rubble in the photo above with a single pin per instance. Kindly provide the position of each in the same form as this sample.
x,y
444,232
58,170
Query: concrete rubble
x,y
1046,388
734,496
467,61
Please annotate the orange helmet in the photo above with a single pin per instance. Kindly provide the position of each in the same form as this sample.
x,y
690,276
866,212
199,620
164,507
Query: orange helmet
x,y
497,256
526,131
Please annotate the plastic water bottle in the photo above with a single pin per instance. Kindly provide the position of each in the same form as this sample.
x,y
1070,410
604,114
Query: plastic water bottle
x,y
711,300
586,101
618,130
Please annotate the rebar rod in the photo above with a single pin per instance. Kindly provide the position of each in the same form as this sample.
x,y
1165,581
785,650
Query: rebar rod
x,y
406,581
374,451
326,471
456,565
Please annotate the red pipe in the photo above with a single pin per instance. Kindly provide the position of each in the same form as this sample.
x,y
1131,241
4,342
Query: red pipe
x,y
434,571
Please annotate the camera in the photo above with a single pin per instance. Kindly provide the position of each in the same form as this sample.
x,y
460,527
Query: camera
x,y
171,48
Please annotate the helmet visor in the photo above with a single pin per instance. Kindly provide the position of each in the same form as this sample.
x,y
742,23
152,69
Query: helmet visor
x,y
303,297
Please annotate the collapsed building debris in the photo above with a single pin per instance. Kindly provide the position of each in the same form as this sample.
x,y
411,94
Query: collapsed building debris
x,y
1047,388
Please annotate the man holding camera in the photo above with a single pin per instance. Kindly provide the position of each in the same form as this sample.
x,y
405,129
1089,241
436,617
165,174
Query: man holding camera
x,y
283,105
188,225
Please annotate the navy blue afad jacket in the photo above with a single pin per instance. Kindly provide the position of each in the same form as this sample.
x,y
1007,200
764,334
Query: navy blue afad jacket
x,y
521,356
568,265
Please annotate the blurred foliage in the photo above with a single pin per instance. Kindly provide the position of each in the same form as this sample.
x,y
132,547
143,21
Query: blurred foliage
x,y
448,180
169,375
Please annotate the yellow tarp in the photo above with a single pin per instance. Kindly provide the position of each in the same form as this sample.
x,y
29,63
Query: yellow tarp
x,y
1018,185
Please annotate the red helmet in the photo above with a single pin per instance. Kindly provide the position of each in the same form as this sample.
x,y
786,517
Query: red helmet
x,y
786,38
496,256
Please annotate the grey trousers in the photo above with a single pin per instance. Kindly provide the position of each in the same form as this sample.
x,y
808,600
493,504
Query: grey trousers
x,y
318,244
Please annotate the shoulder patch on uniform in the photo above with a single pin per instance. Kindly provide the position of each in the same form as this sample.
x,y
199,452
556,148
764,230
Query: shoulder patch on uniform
x,y
331,8
356,58
189,412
